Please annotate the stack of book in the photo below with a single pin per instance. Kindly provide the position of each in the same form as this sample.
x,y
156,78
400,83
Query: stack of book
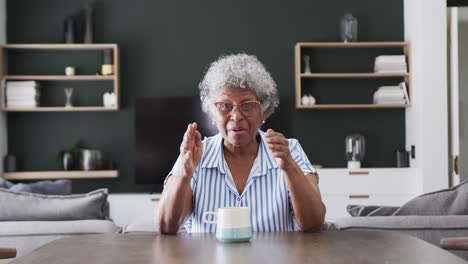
x,y
22,94
390,64
392,94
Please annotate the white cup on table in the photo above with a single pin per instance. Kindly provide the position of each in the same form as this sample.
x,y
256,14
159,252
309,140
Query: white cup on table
x,y
233,224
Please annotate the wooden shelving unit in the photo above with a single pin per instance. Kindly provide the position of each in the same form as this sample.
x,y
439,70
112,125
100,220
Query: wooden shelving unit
x,y
354,75
59,109
4,74
60,78
62,46
48,175
336,106
299,76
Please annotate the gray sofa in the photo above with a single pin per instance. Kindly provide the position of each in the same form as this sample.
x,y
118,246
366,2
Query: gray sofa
x,y
430,217
429,228
29,220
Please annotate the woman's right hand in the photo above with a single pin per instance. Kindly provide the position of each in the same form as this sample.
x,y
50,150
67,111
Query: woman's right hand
x,y
191,151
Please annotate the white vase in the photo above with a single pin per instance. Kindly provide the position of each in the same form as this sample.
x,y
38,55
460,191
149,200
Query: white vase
x,y
311,100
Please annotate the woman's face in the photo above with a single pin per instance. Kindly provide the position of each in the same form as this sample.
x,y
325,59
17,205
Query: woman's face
x,y
238,127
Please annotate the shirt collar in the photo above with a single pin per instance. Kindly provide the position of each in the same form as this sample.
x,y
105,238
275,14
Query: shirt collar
x,y
214,156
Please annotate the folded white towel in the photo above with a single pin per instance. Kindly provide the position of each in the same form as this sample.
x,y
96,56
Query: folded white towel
x,y
390,59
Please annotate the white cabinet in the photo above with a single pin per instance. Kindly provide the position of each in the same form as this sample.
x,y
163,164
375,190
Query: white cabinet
x,y
341,187
130,208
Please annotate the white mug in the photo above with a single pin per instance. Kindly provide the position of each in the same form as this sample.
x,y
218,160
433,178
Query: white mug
x,y
233,224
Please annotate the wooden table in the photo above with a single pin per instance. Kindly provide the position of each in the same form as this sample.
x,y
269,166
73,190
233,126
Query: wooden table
x,y
281,247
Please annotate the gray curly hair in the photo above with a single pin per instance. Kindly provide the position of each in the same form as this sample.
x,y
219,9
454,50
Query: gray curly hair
x,y
242,70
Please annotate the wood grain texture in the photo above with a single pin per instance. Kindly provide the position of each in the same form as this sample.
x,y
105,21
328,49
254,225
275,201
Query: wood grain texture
x,y
460,243
7,253
336,106
59,109
370,44
62,77
275,247
61,46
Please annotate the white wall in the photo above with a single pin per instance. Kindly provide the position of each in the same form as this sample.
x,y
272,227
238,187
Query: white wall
x,y
426,121
3,123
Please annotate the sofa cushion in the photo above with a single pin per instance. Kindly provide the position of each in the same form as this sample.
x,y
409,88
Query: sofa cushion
x,y
428,228
22,206
58,187
370,210
28,228
452,201
411,222
5,184
146,226
141,226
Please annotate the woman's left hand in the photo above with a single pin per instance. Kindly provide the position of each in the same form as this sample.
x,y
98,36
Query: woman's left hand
x,y
279,147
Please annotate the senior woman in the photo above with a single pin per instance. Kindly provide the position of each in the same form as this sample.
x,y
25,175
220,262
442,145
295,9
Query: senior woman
x,y
242,165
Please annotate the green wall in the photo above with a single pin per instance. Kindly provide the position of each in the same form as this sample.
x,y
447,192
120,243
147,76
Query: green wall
x,y
165,49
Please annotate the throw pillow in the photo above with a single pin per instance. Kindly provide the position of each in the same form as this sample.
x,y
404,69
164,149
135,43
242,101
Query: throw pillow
x,y
452,201
5,184
370,210
58,187
22,206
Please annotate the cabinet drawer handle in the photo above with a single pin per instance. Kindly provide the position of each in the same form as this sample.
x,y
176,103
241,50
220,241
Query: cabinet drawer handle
x,y
364,196
155,199
358,173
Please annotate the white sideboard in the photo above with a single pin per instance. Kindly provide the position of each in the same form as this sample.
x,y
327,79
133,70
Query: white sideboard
x,y
386,186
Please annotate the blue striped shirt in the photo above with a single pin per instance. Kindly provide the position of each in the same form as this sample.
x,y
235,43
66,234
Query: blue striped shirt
x,y
265,193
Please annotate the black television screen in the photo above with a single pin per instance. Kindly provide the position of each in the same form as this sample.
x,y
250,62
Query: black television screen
x,y
160,124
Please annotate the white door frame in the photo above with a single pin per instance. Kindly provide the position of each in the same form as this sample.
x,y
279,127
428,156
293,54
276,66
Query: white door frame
x,y
425,23
452,38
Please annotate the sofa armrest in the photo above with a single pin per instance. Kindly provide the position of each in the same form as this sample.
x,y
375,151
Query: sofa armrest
x,y
429,228
458,243
7,253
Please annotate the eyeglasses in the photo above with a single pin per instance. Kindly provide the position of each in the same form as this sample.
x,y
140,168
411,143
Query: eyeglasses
x,y
246,108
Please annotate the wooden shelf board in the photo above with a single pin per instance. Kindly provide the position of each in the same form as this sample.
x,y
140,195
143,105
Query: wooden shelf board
x,y
61,77
354,75
61,46
43,175
336,106
351,44
58,109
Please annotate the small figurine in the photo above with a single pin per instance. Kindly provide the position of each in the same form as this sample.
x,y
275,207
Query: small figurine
x,y
312,100
308,99
69,71
307,64
68,95
109,99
